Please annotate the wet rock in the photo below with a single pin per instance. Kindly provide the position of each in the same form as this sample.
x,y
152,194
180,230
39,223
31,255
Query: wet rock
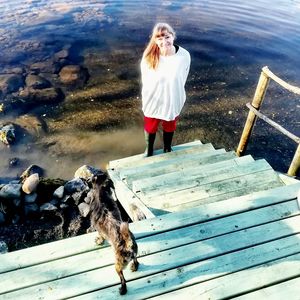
x,y
86,172
31,210
41,96
84,209
30,198
48,207
2,218
75,185
32,169
42,67
3,247
59,192
30,184
11,83
31,126
73,75
13,162
11,191
7,134
37,82
63,54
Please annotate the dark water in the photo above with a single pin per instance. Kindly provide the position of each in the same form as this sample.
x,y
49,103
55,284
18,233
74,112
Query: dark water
x,y
229,41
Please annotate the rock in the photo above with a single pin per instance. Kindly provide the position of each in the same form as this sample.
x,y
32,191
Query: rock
x,y
13,162
3,247
31,125
30,198
17,202
42,67
2,218
46,188
62,54
31,210
11,191
48,207
59,192
75,185
84,209
73,75
37,82
7,134
32,169
77,196
30,184
43,96
86,172
11,83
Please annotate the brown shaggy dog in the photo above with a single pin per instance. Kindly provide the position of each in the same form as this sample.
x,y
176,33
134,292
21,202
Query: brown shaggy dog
x,y
106,219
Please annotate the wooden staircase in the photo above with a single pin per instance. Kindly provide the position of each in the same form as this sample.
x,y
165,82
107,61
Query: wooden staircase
x,y
191,175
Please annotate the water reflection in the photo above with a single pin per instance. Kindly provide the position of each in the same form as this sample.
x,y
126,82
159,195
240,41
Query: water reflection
x,y
229,42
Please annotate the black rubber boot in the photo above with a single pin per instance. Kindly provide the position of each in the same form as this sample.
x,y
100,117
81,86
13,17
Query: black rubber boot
x,y
149,139
167,137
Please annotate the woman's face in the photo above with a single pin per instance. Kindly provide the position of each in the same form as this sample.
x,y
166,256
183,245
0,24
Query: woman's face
x,y
165,41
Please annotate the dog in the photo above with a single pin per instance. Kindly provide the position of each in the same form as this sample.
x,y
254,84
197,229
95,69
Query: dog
x,y
106,219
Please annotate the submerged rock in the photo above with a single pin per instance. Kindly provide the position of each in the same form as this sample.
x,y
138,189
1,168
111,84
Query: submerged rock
x,y
49,95
7,134
37,82
73,74
11,83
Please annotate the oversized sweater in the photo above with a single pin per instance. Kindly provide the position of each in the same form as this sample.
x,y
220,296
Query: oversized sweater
x,y
163,93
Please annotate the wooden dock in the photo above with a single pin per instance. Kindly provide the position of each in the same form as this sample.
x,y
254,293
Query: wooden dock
x,y
243,246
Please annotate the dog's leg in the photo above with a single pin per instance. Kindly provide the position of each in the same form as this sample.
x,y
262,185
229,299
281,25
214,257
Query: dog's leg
x,y
119,268
134,265
99,240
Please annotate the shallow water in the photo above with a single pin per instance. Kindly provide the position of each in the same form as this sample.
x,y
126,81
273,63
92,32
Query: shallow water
x,y
229,41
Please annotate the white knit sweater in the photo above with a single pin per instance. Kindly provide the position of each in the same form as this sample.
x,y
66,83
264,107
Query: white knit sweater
x,y
163,93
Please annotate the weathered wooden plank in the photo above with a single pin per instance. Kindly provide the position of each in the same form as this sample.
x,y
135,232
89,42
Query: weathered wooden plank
x,y
180,160
188,174
206,190
163,261
231,285
196,149
128,199
118,163
202,213
175,165
237,191
207,175
286,290
161,242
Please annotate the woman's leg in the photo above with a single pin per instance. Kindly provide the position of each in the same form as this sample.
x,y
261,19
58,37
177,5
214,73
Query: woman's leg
x,y
150,128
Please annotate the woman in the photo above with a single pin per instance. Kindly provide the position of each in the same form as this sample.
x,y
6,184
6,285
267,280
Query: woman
x,y
164,67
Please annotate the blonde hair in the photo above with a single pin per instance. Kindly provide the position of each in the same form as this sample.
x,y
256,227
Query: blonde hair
x,y
151,53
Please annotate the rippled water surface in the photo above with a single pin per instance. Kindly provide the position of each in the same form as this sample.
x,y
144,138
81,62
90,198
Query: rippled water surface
x,y
229,41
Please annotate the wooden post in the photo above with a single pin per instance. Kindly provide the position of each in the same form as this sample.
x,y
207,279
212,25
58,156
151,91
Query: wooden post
x,y
256,103
295,164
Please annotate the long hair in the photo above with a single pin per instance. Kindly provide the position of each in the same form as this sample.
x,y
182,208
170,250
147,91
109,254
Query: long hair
x,y
151,53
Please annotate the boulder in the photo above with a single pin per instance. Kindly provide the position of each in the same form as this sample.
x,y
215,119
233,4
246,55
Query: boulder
x,y
35,97
87,172
59,192
84,209
62,54
73,75
75,185
37,82
30,183
11,83
32,169
11,191
48,207
30,198
8,134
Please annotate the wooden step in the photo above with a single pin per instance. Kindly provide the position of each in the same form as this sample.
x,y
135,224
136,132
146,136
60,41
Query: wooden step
x,y
209,189
189,176
211,257
122,162
196,149
256,278
276,202
177,164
